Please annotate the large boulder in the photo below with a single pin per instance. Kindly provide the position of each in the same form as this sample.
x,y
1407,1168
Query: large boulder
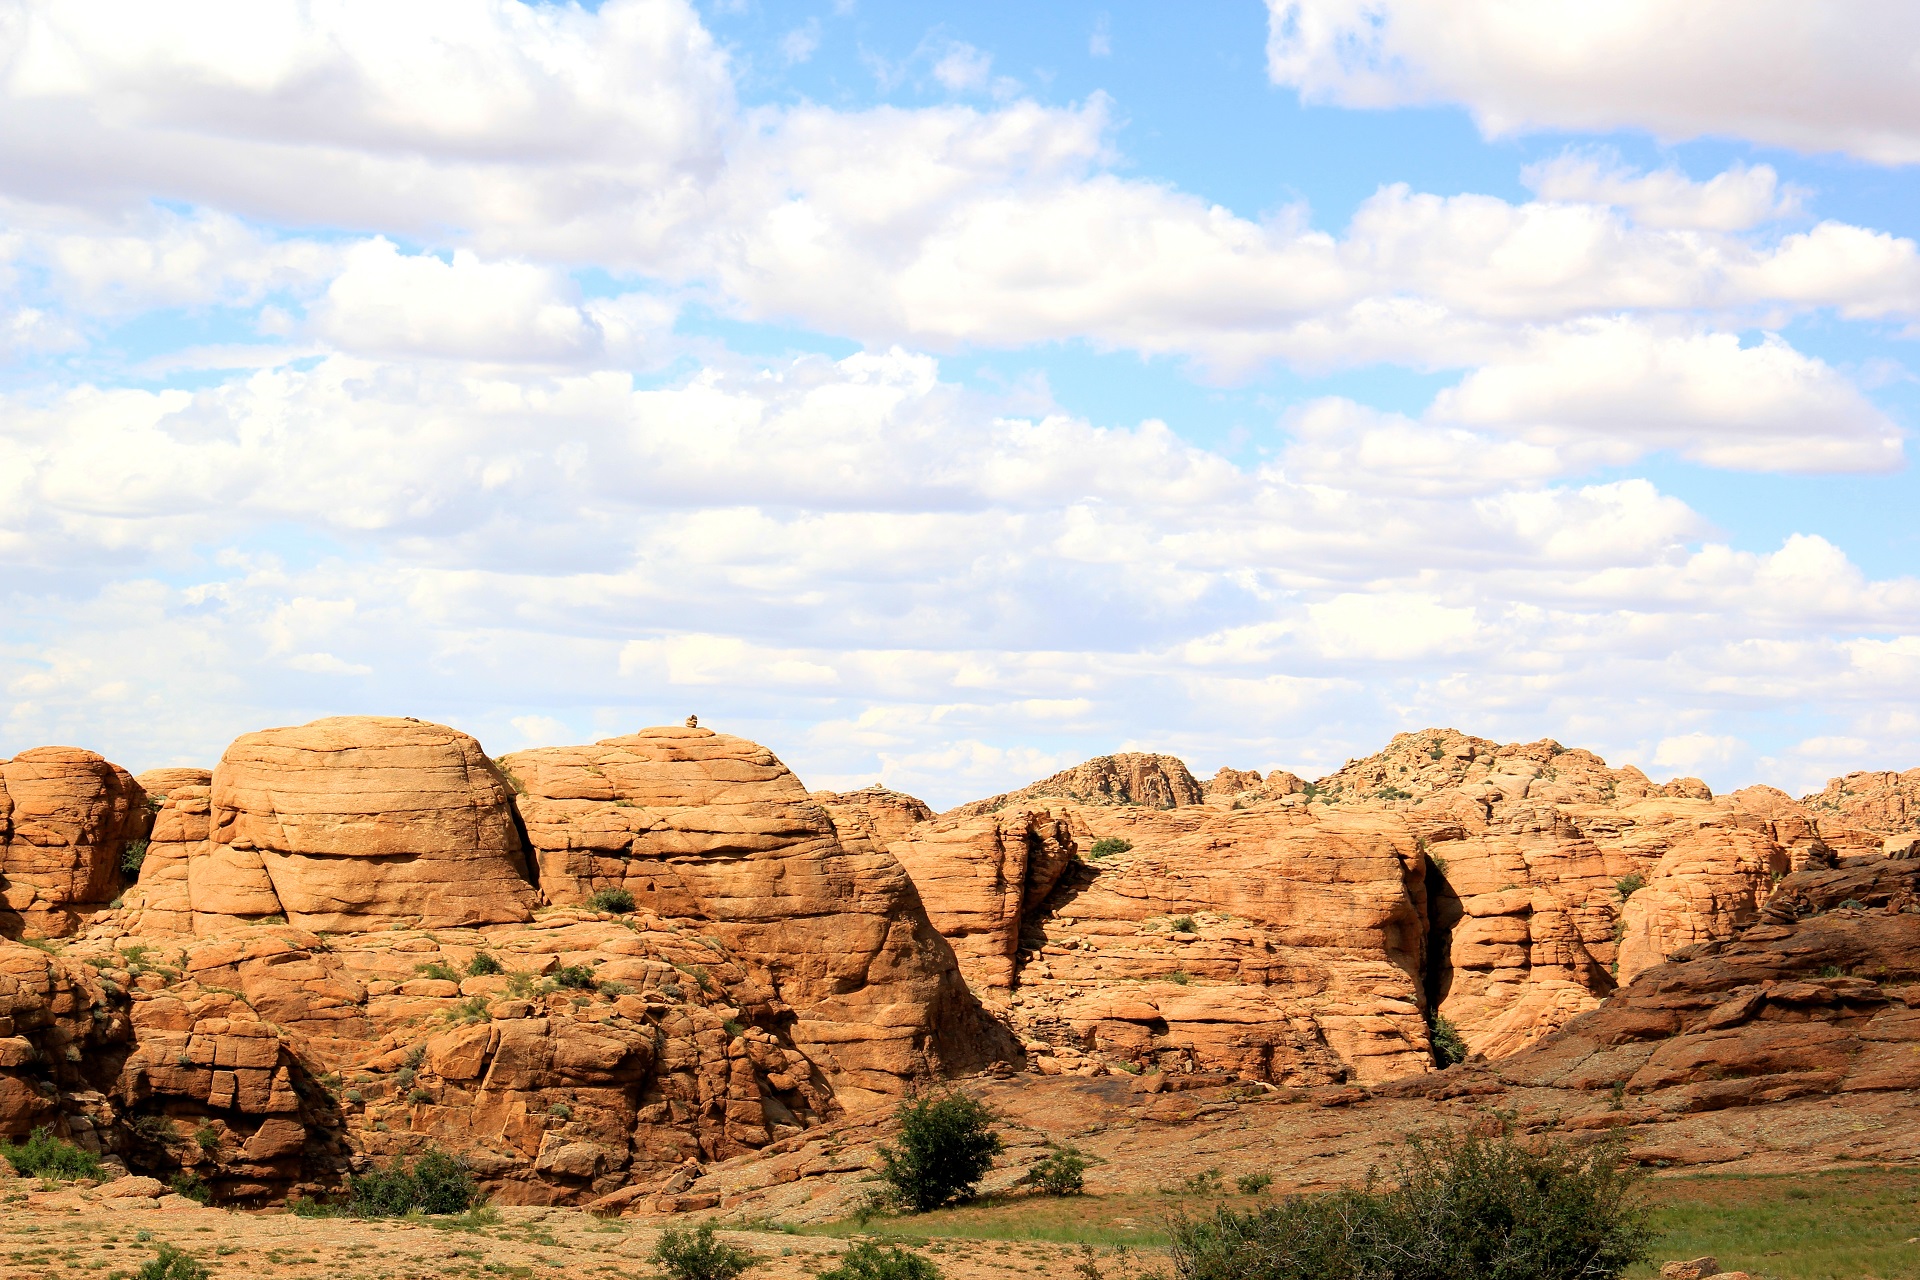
x,y
66,818
360,822
713,830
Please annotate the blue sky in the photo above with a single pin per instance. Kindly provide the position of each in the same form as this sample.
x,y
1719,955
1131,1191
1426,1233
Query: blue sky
x,y
944,393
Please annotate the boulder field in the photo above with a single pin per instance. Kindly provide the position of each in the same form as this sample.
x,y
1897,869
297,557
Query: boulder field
x,y
598,971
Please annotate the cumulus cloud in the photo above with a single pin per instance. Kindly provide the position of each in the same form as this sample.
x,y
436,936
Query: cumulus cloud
x,y
1732,200
858,560
1812,77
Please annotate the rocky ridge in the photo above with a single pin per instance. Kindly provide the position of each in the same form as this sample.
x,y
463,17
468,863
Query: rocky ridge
x,y
359,935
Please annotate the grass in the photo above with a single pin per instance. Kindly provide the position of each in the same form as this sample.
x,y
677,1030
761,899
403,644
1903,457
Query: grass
x,y
1825,1226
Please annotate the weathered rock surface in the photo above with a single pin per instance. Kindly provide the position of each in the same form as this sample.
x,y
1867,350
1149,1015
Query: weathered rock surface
x,y
360,822
979,877
66,818
1130,778
713,829
1859,811
875,813
182,806
1274,942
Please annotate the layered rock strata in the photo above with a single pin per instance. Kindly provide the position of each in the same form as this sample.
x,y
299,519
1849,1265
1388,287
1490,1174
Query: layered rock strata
x,y
360,822
713,829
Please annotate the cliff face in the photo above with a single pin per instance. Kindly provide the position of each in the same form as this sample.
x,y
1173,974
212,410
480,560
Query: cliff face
x,y
359,935
595,970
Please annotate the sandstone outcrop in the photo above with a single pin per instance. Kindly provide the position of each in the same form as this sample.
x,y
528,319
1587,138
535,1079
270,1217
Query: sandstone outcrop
x,y
979,877
1130,778
66,819
182,806
874,813
1859,811
1274,942
713,829
360,822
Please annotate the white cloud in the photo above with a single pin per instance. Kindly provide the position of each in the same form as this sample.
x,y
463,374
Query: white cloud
x,y
963,68
389,303
1779,72
1612,390
1696,753
864,565
800,44
1732,200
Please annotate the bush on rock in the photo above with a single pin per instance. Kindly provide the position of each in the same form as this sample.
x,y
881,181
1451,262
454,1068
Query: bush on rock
x,y
946,1146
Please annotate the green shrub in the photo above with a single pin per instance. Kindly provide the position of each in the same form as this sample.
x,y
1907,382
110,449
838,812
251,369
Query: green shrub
x,y
44,1156
172,1263
132,856
1626,885
1107,846
437,969
1449,1046
868,1261
208,1138
436,1183
946,1146
1062,1173
1181,924
192,1186
1252,1184
696,1255
1461,1207
484,965
618,901
577,977
1179,977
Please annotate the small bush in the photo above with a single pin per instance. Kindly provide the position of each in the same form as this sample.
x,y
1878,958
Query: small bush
x,y
436,1183
44,1156
946,1146
575,977
172,1263
1062,1173
132,856
733,1029
1181,924
484,965
1449,1046
1107,846
1252,1184
208,1138
192,1186
618,901
868,1261
696,1255
437,969
561,1111
1461,1207
1179,977
1626,886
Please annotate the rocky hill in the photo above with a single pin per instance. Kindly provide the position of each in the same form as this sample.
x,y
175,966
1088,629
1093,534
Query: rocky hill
x,y
602,971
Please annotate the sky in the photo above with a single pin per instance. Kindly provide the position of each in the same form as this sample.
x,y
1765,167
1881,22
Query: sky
x,y
943,394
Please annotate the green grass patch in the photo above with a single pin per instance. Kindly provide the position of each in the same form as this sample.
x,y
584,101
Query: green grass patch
x,y
1825,1226
1818,1226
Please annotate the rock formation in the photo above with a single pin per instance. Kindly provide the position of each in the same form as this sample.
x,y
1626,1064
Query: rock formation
x,y
787,958
1859,812
1131,778
714,830
66,819
360,822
